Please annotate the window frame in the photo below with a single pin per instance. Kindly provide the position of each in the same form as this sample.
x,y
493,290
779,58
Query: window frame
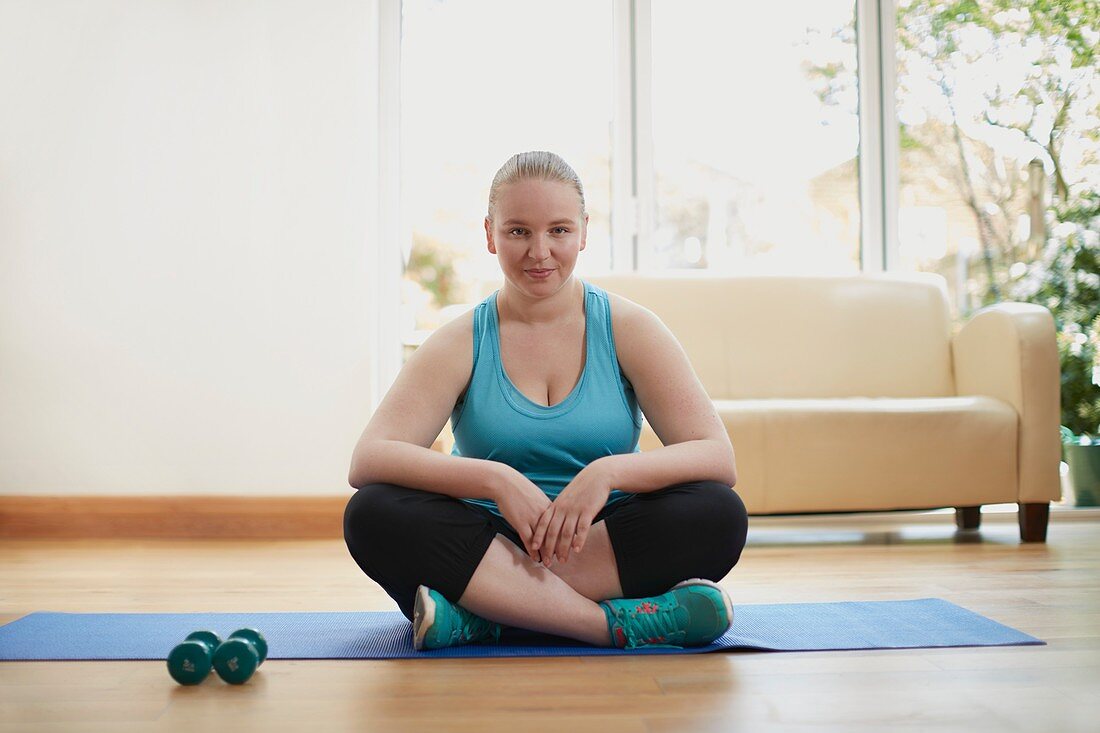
x,y
390,228
633,196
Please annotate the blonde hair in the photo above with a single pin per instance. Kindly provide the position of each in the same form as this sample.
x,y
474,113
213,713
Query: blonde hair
x,y
538,164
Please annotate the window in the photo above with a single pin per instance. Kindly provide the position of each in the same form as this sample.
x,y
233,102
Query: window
x,y
742,134
997,110
479,82
755,137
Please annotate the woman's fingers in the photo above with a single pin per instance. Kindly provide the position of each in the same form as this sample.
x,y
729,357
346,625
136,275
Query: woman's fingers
x,y
553,537
540,528
565,539
582,534
527,535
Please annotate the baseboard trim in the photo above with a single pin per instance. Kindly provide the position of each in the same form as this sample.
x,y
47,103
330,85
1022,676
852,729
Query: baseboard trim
x,y
172,517
321,517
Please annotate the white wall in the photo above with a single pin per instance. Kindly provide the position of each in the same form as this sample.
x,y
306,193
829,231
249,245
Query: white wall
x,y
186,211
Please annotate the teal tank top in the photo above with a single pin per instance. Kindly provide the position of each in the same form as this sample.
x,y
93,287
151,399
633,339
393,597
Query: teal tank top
x,y
549,445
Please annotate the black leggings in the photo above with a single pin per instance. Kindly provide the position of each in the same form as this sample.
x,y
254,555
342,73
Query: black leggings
x,y
403,538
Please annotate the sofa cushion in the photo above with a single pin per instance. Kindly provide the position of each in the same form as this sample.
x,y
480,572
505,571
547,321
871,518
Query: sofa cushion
x,y
757,337
858,454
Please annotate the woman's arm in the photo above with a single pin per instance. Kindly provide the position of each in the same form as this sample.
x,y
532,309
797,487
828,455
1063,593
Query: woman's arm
x,y
696,445
395,445
416,467
652,470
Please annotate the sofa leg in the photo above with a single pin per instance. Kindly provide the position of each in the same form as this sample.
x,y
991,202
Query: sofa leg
x,y
968,517
1033,522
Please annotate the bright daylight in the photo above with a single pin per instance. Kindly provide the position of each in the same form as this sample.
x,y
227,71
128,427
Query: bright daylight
x,y
610,366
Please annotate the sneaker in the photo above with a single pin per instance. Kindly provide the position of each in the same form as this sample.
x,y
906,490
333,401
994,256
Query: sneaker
x,y
693,613
438,623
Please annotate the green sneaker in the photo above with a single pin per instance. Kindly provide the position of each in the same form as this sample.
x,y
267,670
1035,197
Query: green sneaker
x,y
693,613
438,623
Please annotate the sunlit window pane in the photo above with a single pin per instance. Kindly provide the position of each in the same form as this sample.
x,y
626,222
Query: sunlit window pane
x,y
755,137
481,81
998,117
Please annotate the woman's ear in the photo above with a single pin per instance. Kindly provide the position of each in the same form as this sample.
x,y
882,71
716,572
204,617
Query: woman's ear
x,y
489,235
584,231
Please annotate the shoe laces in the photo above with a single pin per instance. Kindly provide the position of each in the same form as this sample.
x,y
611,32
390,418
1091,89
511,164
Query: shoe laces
x,y
475,628
645,629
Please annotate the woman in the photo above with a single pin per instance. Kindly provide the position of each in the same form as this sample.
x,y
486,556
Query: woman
x,y
546,516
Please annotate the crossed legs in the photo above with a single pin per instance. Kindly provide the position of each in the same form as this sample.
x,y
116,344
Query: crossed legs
x,y
512,589
694,529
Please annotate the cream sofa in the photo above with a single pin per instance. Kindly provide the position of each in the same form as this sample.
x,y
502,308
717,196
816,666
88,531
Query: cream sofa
x,y
852,393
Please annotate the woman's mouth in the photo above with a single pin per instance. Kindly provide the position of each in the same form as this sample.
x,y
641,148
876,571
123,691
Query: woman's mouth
x,y
539,274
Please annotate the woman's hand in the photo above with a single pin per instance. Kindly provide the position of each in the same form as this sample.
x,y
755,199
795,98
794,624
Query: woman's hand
x,y
521,502
571,514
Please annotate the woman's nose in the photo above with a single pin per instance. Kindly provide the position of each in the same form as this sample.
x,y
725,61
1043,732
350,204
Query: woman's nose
x,y
540,248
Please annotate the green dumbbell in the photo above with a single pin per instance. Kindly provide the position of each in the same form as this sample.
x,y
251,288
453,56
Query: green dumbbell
x,y
256,638
237,657
190,662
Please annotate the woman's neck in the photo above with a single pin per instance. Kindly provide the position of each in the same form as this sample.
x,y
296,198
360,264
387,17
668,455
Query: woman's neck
x,y
551,310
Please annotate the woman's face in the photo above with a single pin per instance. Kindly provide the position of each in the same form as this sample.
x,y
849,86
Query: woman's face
x,y
536,233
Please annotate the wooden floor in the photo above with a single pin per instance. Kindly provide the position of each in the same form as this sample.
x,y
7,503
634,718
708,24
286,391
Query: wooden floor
x,y
1051,591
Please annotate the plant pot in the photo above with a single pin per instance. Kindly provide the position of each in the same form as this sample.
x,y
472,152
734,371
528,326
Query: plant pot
x,y
1084,473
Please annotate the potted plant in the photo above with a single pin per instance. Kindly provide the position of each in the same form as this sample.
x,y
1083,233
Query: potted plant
x,y
1065,279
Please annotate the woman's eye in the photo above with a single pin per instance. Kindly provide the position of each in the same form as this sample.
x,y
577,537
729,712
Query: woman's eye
x,y
515,232
561,230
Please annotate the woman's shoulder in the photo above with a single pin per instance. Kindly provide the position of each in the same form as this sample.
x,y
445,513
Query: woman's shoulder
x,y
449,348
455,334
628,316
640,335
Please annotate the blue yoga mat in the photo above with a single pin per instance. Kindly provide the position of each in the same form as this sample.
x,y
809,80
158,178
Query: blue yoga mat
x,y
926,622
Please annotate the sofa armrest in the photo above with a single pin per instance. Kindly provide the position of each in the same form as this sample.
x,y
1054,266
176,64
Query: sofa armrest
x,y
1008,351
